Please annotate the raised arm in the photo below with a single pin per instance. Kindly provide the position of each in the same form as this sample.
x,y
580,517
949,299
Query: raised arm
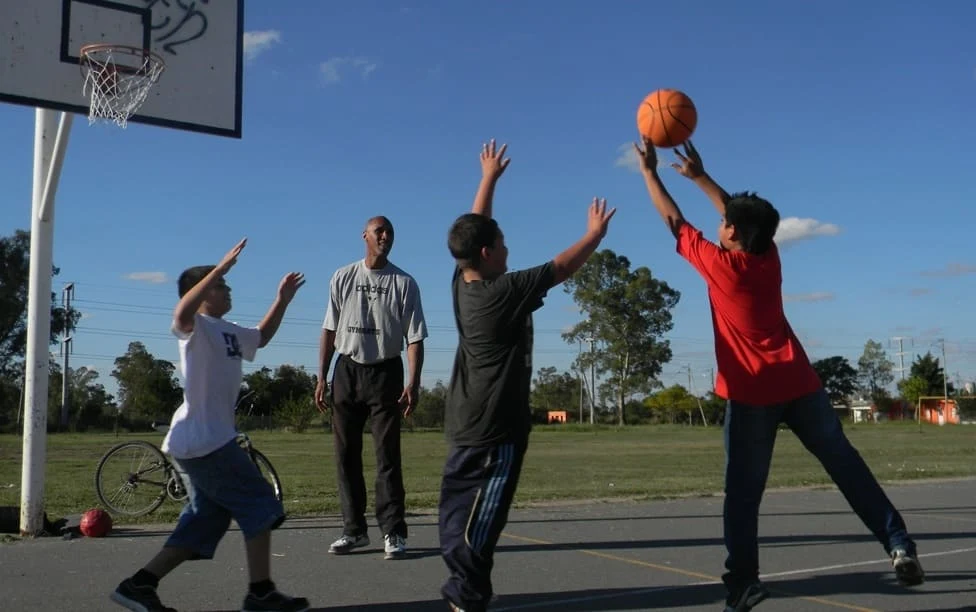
x,y
572,259
492,167
691,167
662,200
186,309
289,285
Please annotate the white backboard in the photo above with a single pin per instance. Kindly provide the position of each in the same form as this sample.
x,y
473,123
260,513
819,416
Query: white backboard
x,y
201,42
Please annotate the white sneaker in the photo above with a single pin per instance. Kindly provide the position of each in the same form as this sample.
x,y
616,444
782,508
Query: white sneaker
x,y
347,543
395,546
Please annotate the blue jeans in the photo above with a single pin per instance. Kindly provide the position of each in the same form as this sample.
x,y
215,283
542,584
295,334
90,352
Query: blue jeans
x,y
750,433
223,485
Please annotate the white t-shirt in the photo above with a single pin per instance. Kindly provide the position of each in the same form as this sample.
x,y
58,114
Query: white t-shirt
x,y
373,311
210,361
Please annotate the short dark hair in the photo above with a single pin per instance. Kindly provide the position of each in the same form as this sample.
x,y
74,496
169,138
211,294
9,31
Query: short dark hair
x,y
755,221
468,235
191,276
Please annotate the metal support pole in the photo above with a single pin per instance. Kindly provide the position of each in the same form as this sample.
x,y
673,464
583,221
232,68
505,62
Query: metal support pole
x,y
50,142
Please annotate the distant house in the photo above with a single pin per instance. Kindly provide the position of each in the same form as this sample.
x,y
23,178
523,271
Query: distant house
x,y
556,416
939,411
862,412
935,410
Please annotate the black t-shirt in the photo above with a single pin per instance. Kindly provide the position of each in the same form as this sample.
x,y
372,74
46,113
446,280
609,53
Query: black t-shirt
x,y
488,396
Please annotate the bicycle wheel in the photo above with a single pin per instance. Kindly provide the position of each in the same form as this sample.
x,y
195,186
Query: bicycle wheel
x,y
268,471
131,478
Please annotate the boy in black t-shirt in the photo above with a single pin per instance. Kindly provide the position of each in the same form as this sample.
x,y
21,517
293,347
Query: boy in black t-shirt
x,y
487,418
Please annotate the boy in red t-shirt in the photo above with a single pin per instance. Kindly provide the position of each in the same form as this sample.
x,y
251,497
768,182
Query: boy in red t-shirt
x,y
766,378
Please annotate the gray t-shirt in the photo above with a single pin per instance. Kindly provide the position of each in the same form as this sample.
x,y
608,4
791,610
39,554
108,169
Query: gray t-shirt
x,y
373,311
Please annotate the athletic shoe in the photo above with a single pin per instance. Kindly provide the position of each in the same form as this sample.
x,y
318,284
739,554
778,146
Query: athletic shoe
x,y
907,568
138,598
747,598
395,546
274,601
347,543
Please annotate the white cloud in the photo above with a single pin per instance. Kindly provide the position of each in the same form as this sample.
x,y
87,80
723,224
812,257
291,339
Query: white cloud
x,y
333,68
794,229
156,278
953,269
817,296
256,43
627,158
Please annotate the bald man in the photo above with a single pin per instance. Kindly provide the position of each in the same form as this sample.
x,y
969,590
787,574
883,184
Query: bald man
x,y
374,308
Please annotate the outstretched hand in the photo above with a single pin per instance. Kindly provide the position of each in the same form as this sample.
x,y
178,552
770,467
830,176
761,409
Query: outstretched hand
x,y
647,155
599,217
691,163
493,162
290,285
231,257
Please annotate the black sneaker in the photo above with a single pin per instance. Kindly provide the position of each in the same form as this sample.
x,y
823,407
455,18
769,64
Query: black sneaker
x,y
747,598
907,568
275,601
138,598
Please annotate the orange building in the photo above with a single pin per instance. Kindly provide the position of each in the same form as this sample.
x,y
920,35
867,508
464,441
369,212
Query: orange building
x,y
938,411
556,416
935,410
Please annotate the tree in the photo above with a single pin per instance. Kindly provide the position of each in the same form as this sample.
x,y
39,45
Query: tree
x,y
89,404
927,368
552,391
967,407
672,401
289,383
874,371
429,412
148,389
14,277
912,388
256,386
628,313
838,377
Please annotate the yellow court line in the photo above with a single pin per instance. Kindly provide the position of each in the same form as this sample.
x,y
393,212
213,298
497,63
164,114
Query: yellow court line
x,y
688,573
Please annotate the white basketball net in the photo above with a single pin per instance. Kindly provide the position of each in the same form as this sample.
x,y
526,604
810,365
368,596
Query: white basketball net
x,y
118,91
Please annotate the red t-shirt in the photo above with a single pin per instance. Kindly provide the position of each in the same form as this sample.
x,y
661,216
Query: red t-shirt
x,y
760,360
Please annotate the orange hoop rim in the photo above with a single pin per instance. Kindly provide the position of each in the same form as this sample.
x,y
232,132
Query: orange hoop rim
x,y
87,50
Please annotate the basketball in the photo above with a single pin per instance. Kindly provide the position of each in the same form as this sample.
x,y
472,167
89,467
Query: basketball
x,y
667,117
95,523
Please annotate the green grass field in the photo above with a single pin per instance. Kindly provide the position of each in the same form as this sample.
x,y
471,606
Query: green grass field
x,y
563,463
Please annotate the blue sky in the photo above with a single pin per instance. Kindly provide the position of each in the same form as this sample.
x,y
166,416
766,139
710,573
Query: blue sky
x,y
856,121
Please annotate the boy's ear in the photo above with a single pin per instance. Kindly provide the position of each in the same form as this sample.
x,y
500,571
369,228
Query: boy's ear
x,y
484,253
733,233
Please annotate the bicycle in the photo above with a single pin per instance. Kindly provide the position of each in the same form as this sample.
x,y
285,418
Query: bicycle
x,y
149,471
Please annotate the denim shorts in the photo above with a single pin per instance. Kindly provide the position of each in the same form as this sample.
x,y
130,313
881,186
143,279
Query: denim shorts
x,y
223,485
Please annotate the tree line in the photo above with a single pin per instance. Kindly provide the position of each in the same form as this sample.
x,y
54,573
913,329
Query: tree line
x,y
626,314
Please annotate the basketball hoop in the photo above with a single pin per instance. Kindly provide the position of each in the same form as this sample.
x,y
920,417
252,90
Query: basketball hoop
x,y
118,79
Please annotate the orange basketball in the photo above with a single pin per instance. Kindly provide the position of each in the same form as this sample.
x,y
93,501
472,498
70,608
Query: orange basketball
x,y
667,117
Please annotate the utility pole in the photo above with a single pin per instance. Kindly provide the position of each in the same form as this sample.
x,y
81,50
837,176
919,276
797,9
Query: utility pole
x,y
692,392
901,352
580,376
66,294
592,383
945,377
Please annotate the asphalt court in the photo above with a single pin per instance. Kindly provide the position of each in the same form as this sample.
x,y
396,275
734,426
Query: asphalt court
x,y
620,555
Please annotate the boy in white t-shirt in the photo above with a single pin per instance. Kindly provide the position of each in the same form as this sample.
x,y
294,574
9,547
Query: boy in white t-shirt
x,y
222,480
